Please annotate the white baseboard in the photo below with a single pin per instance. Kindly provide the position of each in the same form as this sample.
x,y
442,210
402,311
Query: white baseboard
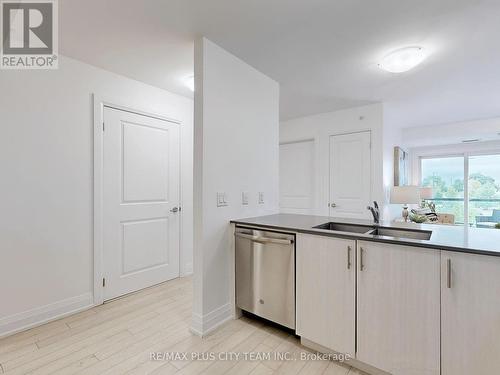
x,y
44,314
187,270
203,325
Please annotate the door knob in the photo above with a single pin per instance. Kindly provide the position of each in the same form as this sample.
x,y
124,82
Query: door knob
x,y
332,205
175,209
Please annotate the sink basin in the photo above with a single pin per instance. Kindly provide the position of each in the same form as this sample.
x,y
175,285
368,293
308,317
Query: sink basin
x,y
353,228
413,234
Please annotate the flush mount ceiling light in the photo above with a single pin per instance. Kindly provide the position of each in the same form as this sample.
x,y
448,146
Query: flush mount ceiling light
x,y
189,82
403,59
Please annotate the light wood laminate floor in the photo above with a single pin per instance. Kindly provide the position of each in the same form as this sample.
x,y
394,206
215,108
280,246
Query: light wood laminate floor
x,y
119,337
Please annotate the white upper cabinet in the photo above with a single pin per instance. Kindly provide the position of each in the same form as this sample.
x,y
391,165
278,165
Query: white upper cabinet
x,y
470,292
398,311
326,291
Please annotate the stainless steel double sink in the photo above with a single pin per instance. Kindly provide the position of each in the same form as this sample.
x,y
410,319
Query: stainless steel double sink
x,y
414,234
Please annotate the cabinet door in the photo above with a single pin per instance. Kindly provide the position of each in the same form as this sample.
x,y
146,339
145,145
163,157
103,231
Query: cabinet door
x,y
398,311
326,291
470,314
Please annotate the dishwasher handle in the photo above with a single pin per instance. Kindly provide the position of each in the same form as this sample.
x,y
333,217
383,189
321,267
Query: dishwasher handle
x,y
260,239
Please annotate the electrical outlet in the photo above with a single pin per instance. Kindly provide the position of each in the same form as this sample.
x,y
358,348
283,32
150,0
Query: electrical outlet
x,y
221,200
261,197
244,198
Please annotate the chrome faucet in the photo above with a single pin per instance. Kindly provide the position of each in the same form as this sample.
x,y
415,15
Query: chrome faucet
x,y
375,212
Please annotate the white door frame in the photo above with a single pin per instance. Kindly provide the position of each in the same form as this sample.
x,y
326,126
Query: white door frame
x,y
99,102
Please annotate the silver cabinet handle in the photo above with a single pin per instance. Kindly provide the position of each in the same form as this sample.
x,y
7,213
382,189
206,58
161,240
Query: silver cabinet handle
x,y
448,275
348,257
175,209
361,263
332,205
264,239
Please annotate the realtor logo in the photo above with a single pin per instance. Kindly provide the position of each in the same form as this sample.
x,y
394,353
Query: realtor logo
x,y
29,34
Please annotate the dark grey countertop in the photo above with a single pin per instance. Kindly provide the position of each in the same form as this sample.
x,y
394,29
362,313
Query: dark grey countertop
x,y
444,237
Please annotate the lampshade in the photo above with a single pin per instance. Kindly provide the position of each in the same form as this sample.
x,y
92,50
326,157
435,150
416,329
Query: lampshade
x,y
405,194
426,193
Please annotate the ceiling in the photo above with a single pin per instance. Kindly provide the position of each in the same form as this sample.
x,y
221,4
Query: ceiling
x,y
323,53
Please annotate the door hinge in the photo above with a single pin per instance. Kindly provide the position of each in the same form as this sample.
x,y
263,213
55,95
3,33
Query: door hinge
x,y
103,126
103,282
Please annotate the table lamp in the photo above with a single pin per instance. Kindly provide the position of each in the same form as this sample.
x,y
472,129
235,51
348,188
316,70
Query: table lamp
x,y
405,195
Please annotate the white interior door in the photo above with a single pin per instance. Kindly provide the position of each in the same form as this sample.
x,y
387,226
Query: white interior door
x,y
297,175
350,174
141,194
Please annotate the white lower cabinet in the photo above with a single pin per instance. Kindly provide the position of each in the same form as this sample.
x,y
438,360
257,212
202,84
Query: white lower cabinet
x,y
398,312
326,293
404,310
470,298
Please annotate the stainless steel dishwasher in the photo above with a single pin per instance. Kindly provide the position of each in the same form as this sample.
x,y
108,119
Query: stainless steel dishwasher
x,y
265,274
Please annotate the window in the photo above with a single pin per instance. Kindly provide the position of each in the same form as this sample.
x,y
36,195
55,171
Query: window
x,y
484,190
446,177
467,187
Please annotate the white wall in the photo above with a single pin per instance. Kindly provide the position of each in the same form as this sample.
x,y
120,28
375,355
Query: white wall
x,y
321,126
46,159
236,150
452,133
446,139
392,137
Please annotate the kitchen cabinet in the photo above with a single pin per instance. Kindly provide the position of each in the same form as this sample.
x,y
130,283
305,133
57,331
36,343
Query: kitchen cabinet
x,y
325,278
470,298
398,308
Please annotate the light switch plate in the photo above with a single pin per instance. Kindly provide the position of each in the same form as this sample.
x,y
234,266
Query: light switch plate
x,y
221,200
244,198
261,197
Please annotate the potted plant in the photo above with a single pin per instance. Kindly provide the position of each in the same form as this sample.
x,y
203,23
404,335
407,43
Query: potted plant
x,y
416,218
